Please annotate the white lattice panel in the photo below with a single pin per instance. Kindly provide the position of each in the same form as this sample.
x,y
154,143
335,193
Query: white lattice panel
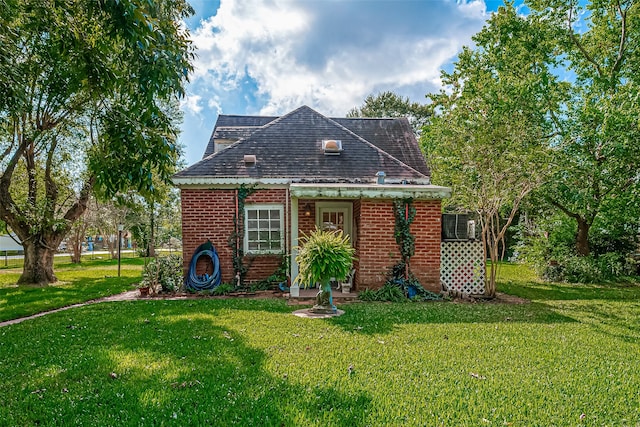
x,y
462,267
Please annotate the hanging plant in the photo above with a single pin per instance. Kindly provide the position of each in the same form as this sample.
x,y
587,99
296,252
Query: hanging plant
x,y
237,235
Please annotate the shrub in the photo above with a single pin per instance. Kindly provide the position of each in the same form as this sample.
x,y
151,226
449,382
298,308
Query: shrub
x,y
223,289
163,274
589,269
387,293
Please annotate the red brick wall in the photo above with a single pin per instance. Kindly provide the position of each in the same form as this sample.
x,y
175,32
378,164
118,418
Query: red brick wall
x,y
377,249
425,264
208,214
306,224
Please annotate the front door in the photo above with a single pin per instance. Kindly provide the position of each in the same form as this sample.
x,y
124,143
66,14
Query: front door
x,y
334,216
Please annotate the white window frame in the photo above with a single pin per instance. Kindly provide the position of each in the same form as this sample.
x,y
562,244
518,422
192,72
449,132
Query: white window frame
x,y
260,207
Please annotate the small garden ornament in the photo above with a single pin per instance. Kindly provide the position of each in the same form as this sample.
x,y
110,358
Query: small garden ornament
x,y
322,256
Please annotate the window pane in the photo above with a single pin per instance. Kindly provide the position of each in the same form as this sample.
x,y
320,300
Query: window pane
x,y
263,229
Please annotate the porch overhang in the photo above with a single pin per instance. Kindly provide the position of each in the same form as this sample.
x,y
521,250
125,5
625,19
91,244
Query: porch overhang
x,y
368,191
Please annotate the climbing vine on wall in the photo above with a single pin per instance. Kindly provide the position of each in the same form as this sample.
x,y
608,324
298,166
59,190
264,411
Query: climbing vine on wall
x,y
405,213
237,235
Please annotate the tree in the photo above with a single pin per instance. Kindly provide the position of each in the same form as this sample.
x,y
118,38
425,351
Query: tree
x,y
598,154
389,104
86,85
489,134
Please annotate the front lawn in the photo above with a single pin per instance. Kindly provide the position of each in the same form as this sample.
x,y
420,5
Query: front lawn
x,y
570,358
76,283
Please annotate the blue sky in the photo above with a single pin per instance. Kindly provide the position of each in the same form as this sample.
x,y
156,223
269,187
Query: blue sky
x,y
268,57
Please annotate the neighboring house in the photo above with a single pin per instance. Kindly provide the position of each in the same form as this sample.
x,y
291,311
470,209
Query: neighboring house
x,y
310,170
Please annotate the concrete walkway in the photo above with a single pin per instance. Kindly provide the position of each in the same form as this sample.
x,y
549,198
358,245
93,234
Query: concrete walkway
x,y
125,296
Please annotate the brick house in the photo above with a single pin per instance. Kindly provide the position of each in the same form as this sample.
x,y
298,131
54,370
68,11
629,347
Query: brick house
x,y
309,170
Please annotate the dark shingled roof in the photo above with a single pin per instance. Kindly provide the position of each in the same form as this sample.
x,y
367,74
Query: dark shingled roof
x,y
235,127
291,147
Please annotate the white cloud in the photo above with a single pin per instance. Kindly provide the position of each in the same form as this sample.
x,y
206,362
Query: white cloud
x,y
191,103
330,54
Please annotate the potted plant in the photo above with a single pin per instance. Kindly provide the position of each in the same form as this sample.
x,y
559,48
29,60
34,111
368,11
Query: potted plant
x,y
322,256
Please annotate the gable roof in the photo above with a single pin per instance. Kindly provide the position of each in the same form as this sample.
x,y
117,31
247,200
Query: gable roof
x,y
290,148
235,128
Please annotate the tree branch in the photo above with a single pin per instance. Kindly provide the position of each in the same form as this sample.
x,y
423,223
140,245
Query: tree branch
x,y
575,40
623,39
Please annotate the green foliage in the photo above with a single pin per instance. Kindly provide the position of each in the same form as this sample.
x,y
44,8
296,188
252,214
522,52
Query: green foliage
x,y
552,253
389,104
490,135
163,274
323,255
237,235
596,154
89,103
368,295
405,214
223,289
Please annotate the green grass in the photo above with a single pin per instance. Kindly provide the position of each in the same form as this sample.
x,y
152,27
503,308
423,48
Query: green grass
x,y
76,283
573,350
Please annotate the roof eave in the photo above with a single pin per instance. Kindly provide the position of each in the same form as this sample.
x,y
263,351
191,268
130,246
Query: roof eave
x,y
370,191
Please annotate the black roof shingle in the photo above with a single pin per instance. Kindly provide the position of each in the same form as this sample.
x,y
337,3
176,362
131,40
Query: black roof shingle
x,y
290,147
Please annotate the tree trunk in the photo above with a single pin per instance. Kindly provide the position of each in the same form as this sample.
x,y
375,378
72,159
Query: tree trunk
x,y
38,264
582,237
151,248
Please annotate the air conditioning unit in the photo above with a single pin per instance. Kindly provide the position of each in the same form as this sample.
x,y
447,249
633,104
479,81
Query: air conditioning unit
x,y
455,227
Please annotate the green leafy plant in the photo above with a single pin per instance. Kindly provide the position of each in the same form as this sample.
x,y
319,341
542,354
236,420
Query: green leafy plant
x,y
391,293
163,274
235,238
368,295
323,255
223,289
405,214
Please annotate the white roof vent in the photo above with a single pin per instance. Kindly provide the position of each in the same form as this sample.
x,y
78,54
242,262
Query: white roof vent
x,y
249,159
331,147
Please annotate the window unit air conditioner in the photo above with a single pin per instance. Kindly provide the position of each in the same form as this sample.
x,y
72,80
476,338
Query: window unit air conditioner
x,y
456,227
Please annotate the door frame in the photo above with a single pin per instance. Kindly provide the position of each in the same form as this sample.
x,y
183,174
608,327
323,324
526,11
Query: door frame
x,y
346,207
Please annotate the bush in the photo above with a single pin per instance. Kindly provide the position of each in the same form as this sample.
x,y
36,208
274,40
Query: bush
x,y
388,292
223,289
590,269
163,274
